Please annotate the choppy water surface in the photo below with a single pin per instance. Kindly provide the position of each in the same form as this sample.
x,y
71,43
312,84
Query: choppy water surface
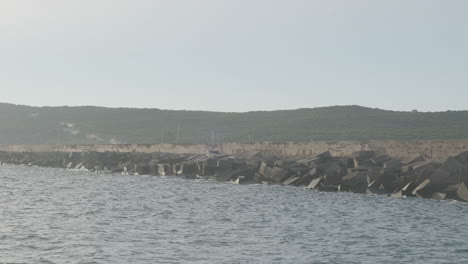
x,y
59,216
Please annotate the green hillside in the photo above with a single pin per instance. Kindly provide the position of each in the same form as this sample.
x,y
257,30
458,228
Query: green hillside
x,y
72,125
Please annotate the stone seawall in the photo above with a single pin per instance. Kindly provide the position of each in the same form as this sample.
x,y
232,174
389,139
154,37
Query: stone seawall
x,y
435,149
396,148
365,172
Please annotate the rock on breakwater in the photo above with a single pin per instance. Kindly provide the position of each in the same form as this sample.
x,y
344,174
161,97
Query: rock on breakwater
x,y
368,171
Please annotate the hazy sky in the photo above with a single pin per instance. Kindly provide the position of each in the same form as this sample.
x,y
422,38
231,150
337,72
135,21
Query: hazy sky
x,y
235,55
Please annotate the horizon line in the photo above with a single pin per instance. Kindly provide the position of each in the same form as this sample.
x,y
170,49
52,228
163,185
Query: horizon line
x,y
217,111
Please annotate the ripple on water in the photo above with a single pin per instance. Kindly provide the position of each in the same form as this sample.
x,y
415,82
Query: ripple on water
x,y
59,216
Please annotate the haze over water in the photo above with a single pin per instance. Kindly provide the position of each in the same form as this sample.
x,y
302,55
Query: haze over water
x,y
58,216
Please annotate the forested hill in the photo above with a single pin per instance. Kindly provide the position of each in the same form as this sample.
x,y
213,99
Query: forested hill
x,y
73,125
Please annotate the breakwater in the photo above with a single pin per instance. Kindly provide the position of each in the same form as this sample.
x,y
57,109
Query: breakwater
x,y
434,149
363,171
